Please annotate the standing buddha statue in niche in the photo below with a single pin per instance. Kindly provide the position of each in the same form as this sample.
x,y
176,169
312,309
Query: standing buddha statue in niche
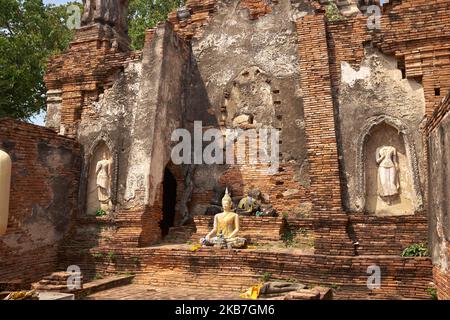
x,y
226,228
103,171
386,157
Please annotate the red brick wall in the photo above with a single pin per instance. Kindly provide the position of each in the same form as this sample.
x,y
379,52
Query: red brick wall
x,y
319,114
417,30
346,42
256,8
387,235
201,12
442,280
242,178
178,267
43,199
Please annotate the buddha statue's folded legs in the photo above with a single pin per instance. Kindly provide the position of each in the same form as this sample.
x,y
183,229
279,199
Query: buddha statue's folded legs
x,y
235,243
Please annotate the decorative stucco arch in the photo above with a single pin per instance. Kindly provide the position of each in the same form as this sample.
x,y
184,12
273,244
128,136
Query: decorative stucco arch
x,y
103,137
255,74
410,154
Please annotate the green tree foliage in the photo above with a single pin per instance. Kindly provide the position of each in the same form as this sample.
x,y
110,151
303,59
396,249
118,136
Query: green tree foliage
x,y
30,32
145,14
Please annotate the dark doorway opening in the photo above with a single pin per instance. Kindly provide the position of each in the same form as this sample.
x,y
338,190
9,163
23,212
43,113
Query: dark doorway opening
x,y
169,202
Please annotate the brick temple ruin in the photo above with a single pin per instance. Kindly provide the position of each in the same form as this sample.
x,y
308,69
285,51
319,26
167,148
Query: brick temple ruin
x,y
336,89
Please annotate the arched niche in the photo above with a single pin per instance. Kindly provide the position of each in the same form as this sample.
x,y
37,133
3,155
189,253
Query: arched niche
x,y
248,99
99,182
5,184
387,132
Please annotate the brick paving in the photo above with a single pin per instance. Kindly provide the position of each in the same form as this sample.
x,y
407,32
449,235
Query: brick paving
x,y
146,292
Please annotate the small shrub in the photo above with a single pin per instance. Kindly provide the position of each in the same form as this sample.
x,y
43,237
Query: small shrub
x,y
266,277
335,286
111,255
136,260
288,237
98,277
416,250
312,285
100,213
97,255
433,293
332,12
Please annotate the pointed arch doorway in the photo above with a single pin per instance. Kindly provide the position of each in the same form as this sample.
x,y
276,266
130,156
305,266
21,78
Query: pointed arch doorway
x,y
169,202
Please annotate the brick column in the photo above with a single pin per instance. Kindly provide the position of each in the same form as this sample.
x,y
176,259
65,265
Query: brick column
x,y
72,102
319,114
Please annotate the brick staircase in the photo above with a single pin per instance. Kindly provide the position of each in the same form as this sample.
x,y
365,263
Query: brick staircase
x,y
57,282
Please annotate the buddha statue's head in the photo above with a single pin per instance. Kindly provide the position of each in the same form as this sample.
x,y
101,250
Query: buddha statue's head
x,y
226,201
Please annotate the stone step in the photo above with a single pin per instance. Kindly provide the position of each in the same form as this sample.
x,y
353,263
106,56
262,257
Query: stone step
x,y
103,284
57,282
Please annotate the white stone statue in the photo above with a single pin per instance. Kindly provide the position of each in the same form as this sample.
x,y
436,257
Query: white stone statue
x,y
226,227
103,171
387,161
5,181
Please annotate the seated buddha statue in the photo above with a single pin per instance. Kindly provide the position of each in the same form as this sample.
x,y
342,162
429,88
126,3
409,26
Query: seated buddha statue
x,y
226,228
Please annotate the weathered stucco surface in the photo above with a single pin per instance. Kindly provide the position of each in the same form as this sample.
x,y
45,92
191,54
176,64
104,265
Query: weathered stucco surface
x,y
135,118
260,78
113,126
439,205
